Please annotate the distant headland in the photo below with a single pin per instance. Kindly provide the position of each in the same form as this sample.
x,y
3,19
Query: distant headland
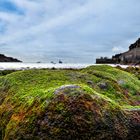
x,y
4,58
132,56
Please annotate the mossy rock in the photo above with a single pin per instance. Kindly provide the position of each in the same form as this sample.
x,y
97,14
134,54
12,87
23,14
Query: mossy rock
x,y
69,104
75,114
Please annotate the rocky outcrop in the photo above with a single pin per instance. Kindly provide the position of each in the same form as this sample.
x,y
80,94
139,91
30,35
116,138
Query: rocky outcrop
x,y
4,58
95,103
135,45
132,56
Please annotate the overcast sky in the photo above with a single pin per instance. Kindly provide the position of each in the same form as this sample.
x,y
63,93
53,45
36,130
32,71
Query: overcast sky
x,y
75,31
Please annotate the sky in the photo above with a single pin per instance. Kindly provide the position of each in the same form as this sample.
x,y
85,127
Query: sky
x,y
74,31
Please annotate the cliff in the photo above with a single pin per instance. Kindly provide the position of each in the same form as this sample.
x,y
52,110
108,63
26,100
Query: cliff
x,y
4,58
135,45
132,56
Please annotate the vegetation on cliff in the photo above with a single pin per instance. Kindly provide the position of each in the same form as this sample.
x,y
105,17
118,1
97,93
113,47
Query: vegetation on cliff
x,y
98,102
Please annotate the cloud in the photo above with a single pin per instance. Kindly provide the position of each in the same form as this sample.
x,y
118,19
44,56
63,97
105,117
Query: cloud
x,y
49,29
117,49
65,18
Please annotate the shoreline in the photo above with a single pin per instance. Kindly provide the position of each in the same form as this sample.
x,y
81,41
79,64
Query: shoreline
x,y
26,66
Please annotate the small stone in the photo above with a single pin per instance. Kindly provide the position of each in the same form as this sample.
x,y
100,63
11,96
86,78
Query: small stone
x,y
62,88
103,86
89,82
121,82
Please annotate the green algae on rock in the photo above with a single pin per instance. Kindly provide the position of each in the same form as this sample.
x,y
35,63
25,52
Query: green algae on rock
x,y
98,102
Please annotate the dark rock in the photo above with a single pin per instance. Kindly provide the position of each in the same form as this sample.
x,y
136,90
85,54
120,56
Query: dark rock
x,y
4,58
103,86
90,82
38,62
53,62
60,62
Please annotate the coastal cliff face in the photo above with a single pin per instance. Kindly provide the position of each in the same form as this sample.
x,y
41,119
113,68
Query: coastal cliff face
x,y
132,56
4,58
95,103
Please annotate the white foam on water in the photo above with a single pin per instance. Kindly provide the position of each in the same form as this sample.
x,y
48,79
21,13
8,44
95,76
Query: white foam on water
x,y
23,66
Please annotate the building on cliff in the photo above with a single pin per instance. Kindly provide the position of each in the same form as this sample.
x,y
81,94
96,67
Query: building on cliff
x,y
132,56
